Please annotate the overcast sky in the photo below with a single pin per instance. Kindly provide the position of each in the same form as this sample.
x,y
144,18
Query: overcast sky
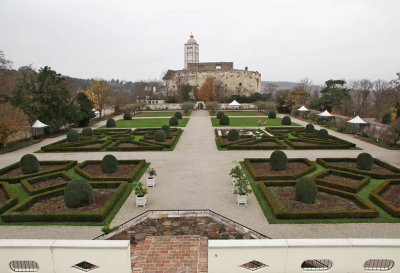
x,y
138,40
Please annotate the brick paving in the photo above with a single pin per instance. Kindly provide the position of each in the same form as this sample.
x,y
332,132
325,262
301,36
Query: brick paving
x,y
175,254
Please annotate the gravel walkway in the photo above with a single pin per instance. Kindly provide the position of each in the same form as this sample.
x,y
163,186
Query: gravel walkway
x,y
195,176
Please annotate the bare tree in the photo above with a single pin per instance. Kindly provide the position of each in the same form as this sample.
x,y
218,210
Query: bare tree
x,y
270,88
361,91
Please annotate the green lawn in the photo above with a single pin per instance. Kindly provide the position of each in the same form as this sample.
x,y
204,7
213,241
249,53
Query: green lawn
x,y
160,114
240,113
143,123
251,122
383,216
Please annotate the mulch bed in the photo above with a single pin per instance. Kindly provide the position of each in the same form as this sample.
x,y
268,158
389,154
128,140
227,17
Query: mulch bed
x,y
341,179
227,141
167,141
90,145
123,170
3,196
392,195
54,204
264,143
292,168
352,165
17,171
325,201
301,143
49,182
128,145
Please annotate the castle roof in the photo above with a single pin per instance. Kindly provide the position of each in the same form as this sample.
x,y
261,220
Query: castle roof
x,y
191,40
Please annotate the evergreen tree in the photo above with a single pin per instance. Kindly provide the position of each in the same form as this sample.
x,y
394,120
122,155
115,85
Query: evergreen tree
x,y
333,94
84,111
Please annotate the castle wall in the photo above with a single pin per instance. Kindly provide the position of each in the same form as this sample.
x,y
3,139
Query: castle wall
x,y
210,66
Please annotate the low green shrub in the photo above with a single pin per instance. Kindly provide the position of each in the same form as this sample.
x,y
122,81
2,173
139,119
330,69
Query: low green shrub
x,y
78,193
364,161
111,123
233,135
306,190
166,129
220,114
109,164
271,114
278,161
73,136
323,134
127,116
224,120
29,164
87,131
286,120
309,129
160,136
173,121
178,115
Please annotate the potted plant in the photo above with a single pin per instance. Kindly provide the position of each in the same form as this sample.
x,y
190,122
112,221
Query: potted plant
x,y
151,180
140,193
235,173
242,189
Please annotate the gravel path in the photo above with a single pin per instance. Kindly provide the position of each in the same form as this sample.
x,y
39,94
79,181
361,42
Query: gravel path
x,y
195,176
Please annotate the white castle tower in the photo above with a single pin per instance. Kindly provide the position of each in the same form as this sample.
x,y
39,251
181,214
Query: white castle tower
x,y
191,51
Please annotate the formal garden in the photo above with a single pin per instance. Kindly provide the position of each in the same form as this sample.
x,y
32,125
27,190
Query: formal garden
x,y
328,190
67,193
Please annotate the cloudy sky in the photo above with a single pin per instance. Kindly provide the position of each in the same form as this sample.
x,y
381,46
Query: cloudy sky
x,y
139,40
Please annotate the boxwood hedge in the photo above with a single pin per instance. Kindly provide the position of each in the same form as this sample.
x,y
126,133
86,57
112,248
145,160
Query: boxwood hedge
x,y
376,197
362,180
12,198
27,183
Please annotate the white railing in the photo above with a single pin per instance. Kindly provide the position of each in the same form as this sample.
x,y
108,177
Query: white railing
x,y
304,255
64,256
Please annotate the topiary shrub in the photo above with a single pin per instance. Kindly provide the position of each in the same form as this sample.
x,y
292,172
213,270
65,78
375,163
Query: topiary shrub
x,y
233,135
73,136
109,164
166,129
78,193
224,120
160,136
127,116
364,161
271,114
110,123
323,134
87,131
29,164
173,121
220,114
178,115
286,120
306,190
309,129
278,161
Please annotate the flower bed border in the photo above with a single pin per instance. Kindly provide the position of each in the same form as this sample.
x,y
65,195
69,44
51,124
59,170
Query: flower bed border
x,y
143,146
354,189
27,183
12,197
375,197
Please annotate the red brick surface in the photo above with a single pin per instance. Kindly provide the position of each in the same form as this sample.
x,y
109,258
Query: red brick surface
x,y
186,253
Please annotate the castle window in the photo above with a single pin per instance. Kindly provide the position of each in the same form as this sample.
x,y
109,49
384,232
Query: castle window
x,y
240,84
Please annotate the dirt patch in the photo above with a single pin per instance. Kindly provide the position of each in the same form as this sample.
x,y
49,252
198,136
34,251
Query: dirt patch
x,y
167,141
264,143
352,165
392,195
3,196
54,204
302,143
325,201
292,168
127,145
48,182
123,170
96,145
341,179
17,171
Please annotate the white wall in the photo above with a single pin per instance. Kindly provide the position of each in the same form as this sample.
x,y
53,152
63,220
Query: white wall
x,y
58,256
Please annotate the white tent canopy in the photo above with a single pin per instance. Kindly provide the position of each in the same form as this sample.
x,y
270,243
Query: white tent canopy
x,y
303,109
39,124
357,120
234,103
325,114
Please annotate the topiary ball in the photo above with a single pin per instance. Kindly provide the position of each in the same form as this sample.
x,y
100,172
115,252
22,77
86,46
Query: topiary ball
x,y
224,120
271,114
29,164
306,190
286,120
87,131
166,129
220,114
233,135
127,116
364,161
110,123
173,121
160,136
178,115
323,134
109,164
309,129
278,161
78,193
73,136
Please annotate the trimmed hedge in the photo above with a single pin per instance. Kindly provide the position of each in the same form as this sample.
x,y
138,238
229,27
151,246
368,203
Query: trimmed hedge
x,y
173,121
112,131
166,129
160,136
64,165
78,193
376,197
111,123
242,140
127,116
77,147
278,161
323,134
233,135
367,211
306,190
12,198
271,114
29,164
286,120
109,164
363,180
248,162
142,146
27,184
18,214
220,114
73,136
178,115
249,144
87,131
364,161
79,169
316,144
224,120
309,129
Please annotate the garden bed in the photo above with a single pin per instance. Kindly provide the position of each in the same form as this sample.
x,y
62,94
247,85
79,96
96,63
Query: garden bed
x,y
387,196
8,198
341,180
151,122
45,183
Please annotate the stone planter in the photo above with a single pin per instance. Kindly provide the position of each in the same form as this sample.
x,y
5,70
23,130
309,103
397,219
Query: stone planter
x,y
140,201
241,199
151,181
